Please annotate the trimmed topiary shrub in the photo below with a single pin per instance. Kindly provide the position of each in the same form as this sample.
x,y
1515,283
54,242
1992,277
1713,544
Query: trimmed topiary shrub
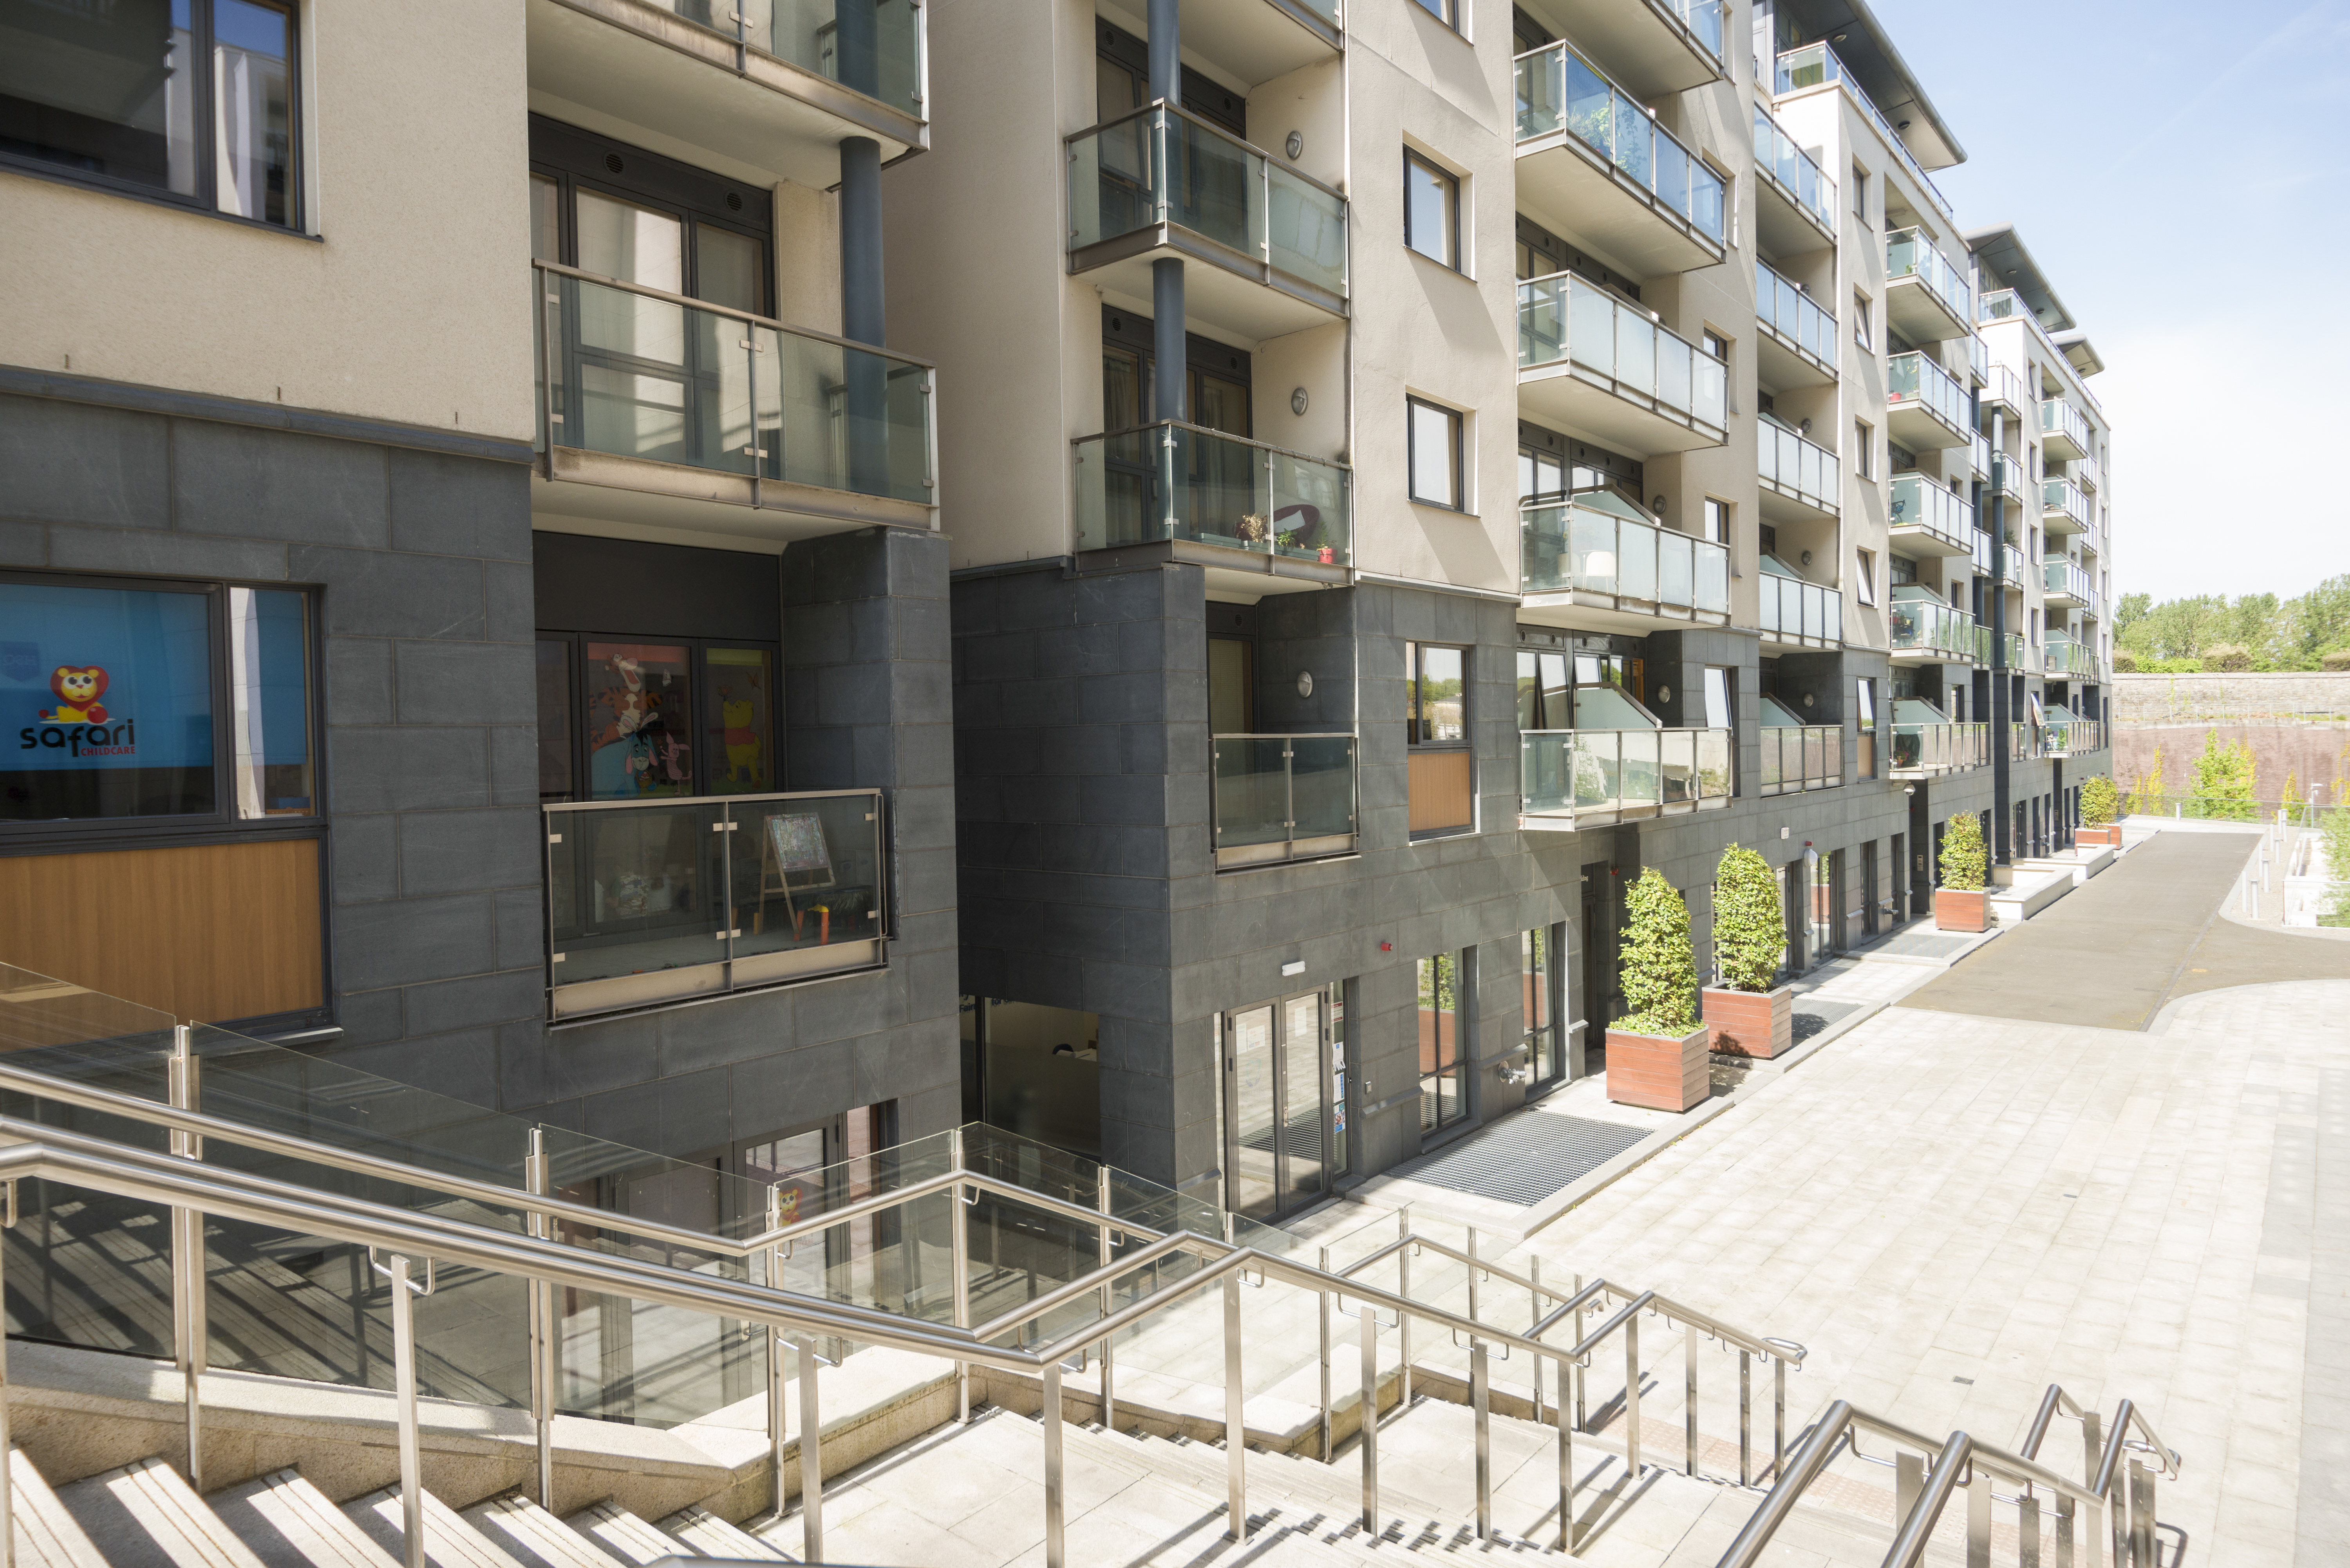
x,y
2337,660
2227,657
1962,853
2125,661
2099,801
1657,970
1749,926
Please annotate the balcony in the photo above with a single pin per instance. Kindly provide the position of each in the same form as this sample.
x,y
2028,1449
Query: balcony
x,y
2021,656
1594,164
1816,65
1795,757
1978,357
1603,369
2003,485
1932,520
2066,582
1163,183
653,902
1797,344
1925,630
2066,659
1799,211
1616,570
2063,508
2067,736
1978,457
1283,798
1793,613
1572,779
1800,481
2010,568
655,409
1253,41
2086,472
1929,750
1927,299
1227,504
2023,742
2063,431
1926,409
776,86
2005,305
2006,391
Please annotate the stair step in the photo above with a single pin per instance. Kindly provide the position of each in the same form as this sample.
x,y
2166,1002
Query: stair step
x,y
534,1537
704,1534
144,1515
624,1537
48,1536
449,1540
289,1524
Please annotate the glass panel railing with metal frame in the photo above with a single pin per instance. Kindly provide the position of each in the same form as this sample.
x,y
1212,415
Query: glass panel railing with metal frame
x,y
1570,548
1921,502
1162,164
1980,461
2067,736
2006,387
1908,253
1790,609
1559,89
1704,20
1978,351
1282,797
2063,496
1813,65
633,372
1924,749
2063,575
2058,417
1930,625
1798,465
882,59
1794,171
650,902
2067,657
1795,316
1175,481
2020,655
1564,317
1572,772
2005,305
1912,379
1796,758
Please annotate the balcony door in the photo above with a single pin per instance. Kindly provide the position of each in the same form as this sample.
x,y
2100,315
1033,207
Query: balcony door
x,y
1282,1076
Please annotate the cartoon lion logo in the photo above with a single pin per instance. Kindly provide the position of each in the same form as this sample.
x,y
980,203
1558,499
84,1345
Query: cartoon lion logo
x,y
78,687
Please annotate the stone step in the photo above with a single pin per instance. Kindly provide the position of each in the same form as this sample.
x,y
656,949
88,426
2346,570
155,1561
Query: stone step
x,y
704,1534
144,1515
449,1540
624,1537
534,1537
47,1534
289,1524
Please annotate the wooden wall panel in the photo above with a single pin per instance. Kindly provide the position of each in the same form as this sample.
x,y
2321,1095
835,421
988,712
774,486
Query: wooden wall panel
x,y
203,932
1441,790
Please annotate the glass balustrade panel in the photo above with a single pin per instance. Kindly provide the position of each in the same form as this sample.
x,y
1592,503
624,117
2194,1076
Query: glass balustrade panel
x,y
1251,791
1592,539
1306,228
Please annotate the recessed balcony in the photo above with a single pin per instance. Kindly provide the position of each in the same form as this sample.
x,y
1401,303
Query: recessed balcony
x,y
1283,798
1163,183
1926,410
1601,368
1594,163
1573,779
1792,613
1249,41
662,411
2063,508
1798,479
1592,563
1922,629
2064,658
774,85
2066,582
2064,734
1924,749
2064,432
1927,299
2005,392
1248,512
1930,519
1795,757
1797,211
1796,343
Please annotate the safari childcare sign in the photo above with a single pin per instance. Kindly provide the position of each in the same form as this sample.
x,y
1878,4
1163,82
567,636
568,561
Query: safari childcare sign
x,y
77,726
93,680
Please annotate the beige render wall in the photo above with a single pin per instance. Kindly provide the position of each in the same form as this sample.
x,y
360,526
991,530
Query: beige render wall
x,y
410,305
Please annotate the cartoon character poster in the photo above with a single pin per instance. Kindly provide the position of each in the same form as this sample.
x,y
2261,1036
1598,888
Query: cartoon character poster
x,y
639,721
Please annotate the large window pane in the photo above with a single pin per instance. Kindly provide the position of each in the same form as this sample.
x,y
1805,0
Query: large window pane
x,y
740,683
635,244
106,89
727,267
1435,455
1429,196
269,684
252,111
640,719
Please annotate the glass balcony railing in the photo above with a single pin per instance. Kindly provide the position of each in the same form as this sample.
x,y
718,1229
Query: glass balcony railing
x,y
1583,549
1815,64
1930,625
1704,20
1563,317
2065,737
1922,503
1977,355
2063,497
2063,575
2020,655
656,901
1795,316
1795,173
1165,165
1174,480
1981,456
1913,381
1790,609
2007,387
2066,657
1558,89
1909,253
1283,798
1797,466
1798,758
632,372
2088,473
2059,418
882,60
1627,772
1920,749
2006,304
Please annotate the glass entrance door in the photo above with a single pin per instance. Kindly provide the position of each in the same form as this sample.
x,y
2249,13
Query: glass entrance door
x,y
1278,1067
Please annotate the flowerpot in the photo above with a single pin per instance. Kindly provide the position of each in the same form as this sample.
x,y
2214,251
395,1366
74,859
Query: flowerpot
x,y
1750,1022
1660,1073
1957,911
2109,835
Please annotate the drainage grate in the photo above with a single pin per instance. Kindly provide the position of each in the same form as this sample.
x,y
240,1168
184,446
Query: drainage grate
x,y
1920,944
1525,1157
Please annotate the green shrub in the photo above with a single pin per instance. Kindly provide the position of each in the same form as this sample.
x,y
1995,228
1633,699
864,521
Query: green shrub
x,y
2227,657
2223,781
1962,853
2125,661
1749,926
1658,970
2099,801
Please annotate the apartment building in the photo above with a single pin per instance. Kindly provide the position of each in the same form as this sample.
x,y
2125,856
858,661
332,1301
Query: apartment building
x,y
1441,458
490,631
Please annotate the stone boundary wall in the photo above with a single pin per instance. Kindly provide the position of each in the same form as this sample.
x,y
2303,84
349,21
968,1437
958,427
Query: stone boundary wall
x,y
2171,699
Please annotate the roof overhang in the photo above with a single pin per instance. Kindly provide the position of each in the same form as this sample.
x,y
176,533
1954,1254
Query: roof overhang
x,y
1867,50
2004,262
2086,359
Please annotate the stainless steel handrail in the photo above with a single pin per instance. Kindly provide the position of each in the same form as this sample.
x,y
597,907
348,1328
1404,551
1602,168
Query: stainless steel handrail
x,y
729,311
1218,131
1220,435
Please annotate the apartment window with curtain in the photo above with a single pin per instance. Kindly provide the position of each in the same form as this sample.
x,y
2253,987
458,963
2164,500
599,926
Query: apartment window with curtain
x,y
195,102
1443,1065
1431,210
1434,457
1440,768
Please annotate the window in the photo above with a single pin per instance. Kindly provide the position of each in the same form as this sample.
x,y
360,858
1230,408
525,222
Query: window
x,y
1718,345
1865,575
1539,976
1860,193
1717,521
623,717
1864,698
1435,455
619,211
193,102
1431,210
1719,711
1443,1071
1441,771
1864,450
1860,331
1541,476
1438,696
167,700
1445,11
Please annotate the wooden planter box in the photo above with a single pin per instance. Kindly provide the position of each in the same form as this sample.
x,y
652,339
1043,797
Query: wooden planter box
x,y
2110,836
1663,1074
1750,1022
1956,911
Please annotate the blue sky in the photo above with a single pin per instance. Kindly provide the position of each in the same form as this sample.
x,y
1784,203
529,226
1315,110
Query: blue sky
x,y
2181,173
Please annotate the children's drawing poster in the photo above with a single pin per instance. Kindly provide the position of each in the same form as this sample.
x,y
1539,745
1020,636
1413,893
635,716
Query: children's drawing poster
x,y
798,843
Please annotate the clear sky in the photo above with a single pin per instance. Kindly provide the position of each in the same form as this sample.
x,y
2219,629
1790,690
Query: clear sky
x,y
2182,175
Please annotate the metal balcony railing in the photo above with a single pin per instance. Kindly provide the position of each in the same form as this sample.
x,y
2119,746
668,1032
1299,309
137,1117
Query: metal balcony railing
x,y
1909,253
1798,467
2068,658
1563,317
1283,798
2059,418
1622,773
1795,318
1567,548
1814,64
1922,503
2062,575
1559,89
1184,482
1794,171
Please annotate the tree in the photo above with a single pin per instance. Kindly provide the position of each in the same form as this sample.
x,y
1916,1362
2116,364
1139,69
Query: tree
x,y
2223,780
2292,796
1658,969
2099,801
2275,633
2130,610
1962,853
1749,926
2147,796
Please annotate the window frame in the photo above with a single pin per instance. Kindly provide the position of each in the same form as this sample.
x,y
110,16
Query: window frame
x,y
1863,332
1864,442
1448,12
1864,573
1457,1067
697,651
1550,975
1459,424
1452,185
1713,509
1415,696
1860,195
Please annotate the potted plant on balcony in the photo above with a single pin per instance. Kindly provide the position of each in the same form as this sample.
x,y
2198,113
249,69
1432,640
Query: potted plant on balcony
x,y
1962,903
1656,1054
1746,1014
2099,803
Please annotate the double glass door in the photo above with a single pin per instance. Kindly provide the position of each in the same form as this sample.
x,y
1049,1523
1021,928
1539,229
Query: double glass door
x,y
1285,1103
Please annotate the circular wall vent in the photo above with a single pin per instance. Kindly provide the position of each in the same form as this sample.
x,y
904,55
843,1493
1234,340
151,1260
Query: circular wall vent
x,y
733,202
612,163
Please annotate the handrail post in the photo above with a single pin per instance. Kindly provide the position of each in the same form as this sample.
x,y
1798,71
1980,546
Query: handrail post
x,y
1582,1413
1403,1289
1565,1461
1689,1339
539,1299
778,1424
1535,1295
1056,1551
1235,1429
1778,1415
1745,1418
188,1273
2027,1531
1108,1389
1481,1398
1322,1301
811,1452
958,1259
2141,1501
403,1382
1979,1518
7,1481
1367,1421
1632,1394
